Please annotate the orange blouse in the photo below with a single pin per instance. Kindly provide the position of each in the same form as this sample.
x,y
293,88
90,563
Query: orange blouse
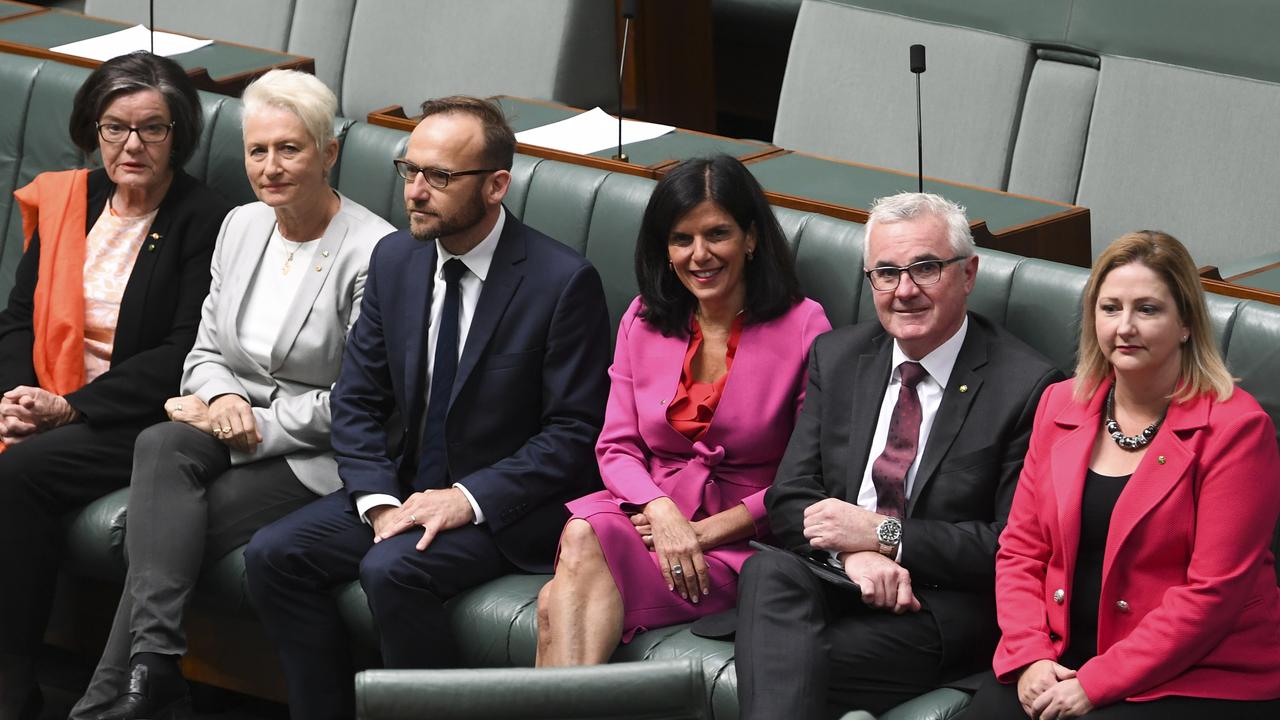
x,y
694,405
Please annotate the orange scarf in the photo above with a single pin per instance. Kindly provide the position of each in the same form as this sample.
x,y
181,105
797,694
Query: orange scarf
x,y
57,203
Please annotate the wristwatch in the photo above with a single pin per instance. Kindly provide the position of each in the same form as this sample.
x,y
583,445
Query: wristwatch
x,y
888,535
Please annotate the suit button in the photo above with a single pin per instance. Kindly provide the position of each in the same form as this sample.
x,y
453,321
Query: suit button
x,y
1122,606
1059,595
1054,637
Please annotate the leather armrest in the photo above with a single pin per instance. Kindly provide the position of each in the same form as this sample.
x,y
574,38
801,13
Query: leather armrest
x,y
668,690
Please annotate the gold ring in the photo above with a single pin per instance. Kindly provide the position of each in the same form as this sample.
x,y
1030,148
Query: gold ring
x,y
217,431
226,431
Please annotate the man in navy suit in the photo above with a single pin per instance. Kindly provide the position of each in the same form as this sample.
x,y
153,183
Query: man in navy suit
x,y
490,340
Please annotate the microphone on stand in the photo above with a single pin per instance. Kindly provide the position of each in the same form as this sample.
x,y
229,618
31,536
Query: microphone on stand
x,y
151,24
917,68
628,14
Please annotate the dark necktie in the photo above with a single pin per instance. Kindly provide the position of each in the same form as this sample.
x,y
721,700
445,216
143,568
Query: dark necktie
x,y
433,462
889,472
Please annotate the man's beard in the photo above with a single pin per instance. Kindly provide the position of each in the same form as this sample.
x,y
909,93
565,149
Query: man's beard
x,y
466,217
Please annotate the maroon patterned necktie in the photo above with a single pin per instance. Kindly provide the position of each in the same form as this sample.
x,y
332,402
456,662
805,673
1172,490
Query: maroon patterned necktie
x,y
889,472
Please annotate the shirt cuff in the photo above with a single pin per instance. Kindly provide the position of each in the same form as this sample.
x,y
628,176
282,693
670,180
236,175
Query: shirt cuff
x,y
368,501
475,507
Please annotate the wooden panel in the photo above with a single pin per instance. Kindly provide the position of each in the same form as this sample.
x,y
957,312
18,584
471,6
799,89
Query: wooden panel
x,y
230,84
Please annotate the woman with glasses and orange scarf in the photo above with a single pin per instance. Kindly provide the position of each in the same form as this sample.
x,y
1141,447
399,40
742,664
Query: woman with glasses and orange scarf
x,y
104,308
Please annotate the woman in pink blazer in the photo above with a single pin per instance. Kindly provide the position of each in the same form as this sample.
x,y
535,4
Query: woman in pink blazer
x,y
707,380
1135,577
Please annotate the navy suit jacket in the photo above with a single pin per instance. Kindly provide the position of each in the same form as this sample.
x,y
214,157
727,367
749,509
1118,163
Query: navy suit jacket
x,y
528,400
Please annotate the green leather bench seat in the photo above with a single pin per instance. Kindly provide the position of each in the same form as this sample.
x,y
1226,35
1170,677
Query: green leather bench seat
x,y
598,213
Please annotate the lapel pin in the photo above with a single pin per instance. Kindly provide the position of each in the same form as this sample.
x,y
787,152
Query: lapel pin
x,y
324,253
1160,459
964,388
155,236
662,402
151,247
318,268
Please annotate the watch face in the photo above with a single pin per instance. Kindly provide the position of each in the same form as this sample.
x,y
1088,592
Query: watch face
x,y
889,532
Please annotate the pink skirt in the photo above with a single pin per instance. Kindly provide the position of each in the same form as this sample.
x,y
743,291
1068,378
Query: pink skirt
x,y
646,601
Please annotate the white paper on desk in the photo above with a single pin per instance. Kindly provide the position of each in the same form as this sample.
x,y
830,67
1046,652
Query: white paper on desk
x,y
591,131
138,37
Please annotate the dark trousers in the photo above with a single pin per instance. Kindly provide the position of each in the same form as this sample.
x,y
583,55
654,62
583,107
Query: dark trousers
x,y
188,506
807,650
41,479
1000,702
294,563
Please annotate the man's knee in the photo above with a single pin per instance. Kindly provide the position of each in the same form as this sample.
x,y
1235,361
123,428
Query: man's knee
x,y
385,570
268,552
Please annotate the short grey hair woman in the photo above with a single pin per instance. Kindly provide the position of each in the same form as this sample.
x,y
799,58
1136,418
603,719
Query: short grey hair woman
x,y
248,438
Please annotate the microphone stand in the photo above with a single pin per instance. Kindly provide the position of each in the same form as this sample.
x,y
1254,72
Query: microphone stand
x,y
628,12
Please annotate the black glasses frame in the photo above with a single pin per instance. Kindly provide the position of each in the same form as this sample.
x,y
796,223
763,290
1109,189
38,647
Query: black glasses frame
x,y
435,177
911,270
102,132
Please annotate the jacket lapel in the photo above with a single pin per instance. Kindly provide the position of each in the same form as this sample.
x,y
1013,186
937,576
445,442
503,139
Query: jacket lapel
x,y
871,377
1152,480
133,300
505,274
1068,463
326,254
419,279
243,262
954,408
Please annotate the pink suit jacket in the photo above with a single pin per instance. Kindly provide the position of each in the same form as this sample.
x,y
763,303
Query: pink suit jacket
x,y
642,457
1189,602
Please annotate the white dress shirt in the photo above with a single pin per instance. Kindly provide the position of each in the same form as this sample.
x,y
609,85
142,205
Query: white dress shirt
x,y
477,260
938,366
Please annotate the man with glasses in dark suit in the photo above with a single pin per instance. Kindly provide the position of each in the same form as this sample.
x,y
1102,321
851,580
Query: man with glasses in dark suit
x,y
490,340
900,473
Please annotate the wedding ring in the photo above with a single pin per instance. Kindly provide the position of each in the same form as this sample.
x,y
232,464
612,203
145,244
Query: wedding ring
x,y
177,407
226,430
677,570
217,432
413,519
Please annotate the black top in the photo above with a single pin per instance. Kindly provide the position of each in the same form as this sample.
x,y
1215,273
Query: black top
x,y
1100,495
159,310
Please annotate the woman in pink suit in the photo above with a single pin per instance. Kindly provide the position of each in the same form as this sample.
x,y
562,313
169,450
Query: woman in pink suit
x,y
1135,577
707,379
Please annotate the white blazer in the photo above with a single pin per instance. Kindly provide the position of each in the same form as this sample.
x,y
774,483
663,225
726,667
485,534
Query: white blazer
x,y
290,398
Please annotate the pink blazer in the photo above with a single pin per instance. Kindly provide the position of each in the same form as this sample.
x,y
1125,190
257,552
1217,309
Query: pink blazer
x,y
642,457
1189,602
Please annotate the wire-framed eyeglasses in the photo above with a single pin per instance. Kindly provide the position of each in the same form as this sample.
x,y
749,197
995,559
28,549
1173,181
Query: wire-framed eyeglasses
x,y
435,177
923,272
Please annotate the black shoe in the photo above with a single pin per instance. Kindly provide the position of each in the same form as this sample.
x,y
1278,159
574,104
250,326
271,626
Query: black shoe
x,y
141,702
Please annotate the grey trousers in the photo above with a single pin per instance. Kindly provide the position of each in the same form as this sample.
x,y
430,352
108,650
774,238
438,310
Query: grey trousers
x,y
187,506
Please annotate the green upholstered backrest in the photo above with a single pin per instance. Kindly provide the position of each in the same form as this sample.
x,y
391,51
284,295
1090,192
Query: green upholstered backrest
x,y
1234,37
17,78
611,239
1044,309
365,172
